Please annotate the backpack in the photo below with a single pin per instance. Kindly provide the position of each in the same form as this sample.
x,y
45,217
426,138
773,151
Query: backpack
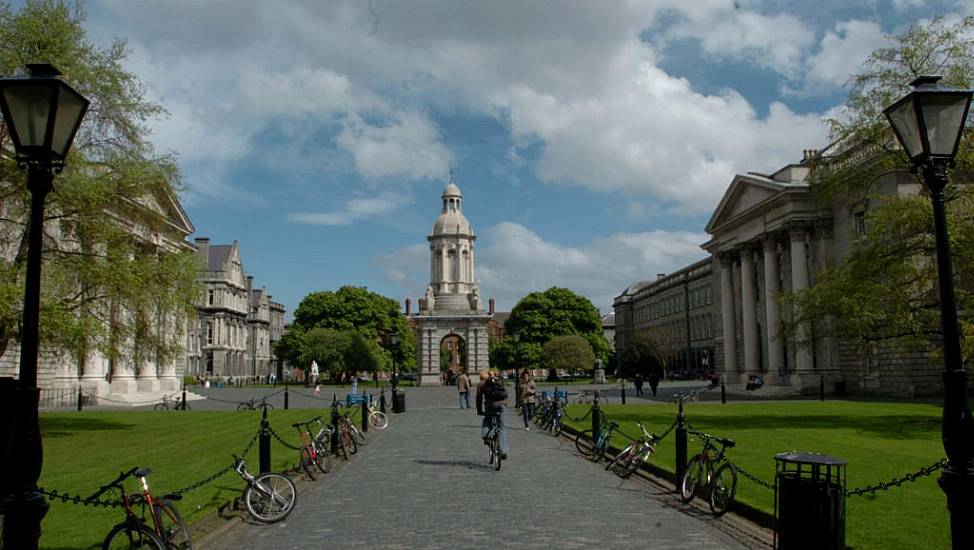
x,y
494,390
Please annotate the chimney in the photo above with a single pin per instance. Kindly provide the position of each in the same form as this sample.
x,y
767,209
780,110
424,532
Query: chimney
x,y
409,307
660,276
250,287
203,245
490,305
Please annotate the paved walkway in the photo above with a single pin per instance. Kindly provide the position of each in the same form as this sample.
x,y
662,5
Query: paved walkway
x,y
424,483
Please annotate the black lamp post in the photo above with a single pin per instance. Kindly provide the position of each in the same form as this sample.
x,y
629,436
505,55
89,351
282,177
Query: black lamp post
x,y
394,342
928,124
42,115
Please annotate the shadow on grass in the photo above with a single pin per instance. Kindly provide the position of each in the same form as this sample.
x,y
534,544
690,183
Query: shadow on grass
x,y
62,426
887,427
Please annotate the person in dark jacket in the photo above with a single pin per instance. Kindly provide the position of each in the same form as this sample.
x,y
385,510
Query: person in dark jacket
x,y
491,404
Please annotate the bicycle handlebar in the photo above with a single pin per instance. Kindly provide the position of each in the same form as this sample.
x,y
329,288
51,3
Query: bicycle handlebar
x,y
724,441
121,477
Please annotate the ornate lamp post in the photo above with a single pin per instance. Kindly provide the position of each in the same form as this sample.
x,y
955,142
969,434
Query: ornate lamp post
x,y
394,342
928,123
42,115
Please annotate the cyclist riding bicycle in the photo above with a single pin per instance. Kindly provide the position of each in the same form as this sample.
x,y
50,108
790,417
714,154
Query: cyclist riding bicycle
x,y
491,403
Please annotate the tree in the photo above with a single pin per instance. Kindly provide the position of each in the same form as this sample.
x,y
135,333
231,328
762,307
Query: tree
x,y
327,347
540,316
107,287
885,289
569,353
642,355
362,354
373,316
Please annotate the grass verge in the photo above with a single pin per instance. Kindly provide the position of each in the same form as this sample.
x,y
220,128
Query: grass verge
x,y
881,441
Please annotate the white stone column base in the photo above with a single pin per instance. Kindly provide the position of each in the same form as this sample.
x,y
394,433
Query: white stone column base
x,y
123,385
148,385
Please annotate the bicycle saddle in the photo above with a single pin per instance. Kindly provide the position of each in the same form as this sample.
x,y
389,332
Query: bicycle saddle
x,y
727,442
172,496
142,472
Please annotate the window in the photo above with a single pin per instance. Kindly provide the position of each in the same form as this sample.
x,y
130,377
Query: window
x,y
859,222
209,332
209,297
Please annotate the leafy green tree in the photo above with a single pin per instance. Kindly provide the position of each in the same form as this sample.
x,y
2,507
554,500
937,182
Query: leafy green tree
x,y
539,317
327,347
372,315
886,288
362,354
642,355
569,353
105,287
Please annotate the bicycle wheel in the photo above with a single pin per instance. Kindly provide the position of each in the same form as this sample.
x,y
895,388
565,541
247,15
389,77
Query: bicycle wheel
x,y
161,407
692,478
270,497
244,407
636,462
357,434
378,420
598,451
583,442
170,522
491,451
340,449
322,460
127,536
308,464
622,457
722,489
498,457
185,407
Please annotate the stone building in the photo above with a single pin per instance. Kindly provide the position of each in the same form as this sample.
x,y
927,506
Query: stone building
x,y
451,312
276,331
676,311
224,311
769,235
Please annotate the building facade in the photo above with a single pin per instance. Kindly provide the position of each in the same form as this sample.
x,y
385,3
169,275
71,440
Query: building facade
x,y
451,312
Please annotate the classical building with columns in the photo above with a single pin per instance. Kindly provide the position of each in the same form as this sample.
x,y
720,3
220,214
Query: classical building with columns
x,y
451,314
769,235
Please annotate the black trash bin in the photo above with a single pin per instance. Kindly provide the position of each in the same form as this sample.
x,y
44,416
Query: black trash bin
x,y
398,401
809,501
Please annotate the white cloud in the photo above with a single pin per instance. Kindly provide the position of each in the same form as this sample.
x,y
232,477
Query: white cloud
x,y
513,260
843,50
353,210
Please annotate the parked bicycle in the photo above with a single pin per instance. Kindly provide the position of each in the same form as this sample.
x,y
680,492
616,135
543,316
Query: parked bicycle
x,y
167,531
594,448
172,402
309,455
349,426
377,418
587,397
553,412
636,454
254,404
709,470
493,443
268,497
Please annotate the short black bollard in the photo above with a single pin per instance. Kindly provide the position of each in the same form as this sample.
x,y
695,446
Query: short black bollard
x,y
723,392
596,420
265,444
382,401
184,397
622,384
681,446
80,398
285,396
365,412
821,388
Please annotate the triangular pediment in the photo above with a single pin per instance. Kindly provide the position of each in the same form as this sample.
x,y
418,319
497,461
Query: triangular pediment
x,y
166,205
743,194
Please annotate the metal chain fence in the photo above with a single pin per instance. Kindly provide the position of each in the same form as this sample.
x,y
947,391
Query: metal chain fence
x,y
922,472
77,499
753,477
281,440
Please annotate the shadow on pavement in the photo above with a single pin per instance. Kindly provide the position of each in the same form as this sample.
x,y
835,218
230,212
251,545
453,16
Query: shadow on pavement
x,y
461,463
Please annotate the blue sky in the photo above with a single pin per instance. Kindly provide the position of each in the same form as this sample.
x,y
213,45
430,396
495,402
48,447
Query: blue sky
x,y
591,140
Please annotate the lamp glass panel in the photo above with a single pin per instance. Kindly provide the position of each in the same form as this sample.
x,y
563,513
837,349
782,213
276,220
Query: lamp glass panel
x,y
70,108
904,121
29,107
943,116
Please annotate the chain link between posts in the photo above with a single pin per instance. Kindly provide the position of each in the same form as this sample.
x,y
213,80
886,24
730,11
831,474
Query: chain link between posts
x,y
77,499
922,472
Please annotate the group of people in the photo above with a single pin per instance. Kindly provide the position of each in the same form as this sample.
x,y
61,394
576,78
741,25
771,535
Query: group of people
x,y
492,400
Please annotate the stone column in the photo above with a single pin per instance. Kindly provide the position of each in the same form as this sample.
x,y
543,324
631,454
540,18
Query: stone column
x,y
749,330
728,317
776,348
799,282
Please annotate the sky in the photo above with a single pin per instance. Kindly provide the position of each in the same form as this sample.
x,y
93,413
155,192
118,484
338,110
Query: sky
x,y
591,140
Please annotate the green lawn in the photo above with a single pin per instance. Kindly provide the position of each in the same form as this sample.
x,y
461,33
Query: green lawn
x,y
880,441
83,451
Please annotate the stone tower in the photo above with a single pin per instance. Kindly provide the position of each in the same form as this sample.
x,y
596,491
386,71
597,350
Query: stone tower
x,y
451,313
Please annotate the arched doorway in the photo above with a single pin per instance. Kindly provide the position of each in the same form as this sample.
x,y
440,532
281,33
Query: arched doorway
x,y
453,358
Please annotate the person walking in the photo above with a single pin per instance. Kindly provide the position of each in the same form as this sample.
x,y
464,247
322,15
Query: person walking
x,y
638,382
653,381
529,394
463,386
491,403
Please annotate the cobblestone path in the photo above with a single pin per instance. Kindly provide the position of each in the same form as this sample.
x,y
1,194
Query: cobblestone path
x,y
425,483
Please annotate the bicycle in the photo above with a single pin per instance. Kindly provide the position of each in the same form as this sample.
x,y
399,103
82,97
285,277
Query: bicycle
x,y
587,397
357,436
170,402
168,531
635,454
308,453
377,418
253,404
495,456
268,497
319,448
712,471
594,448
